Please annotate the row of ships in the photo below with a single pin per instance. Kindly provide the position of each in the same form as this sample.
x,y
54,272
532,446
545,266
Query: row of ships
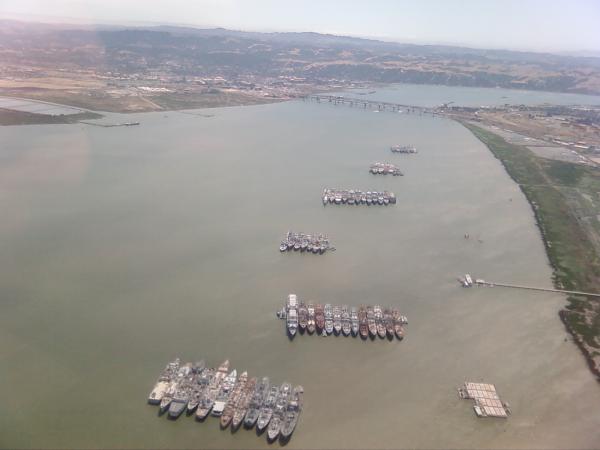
x,y
235,399
315,243
409,149
358,197
363,321
379,168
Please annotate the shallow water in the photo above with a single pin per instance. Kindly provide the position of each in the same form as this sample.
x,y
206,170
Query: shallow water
x,y
122,248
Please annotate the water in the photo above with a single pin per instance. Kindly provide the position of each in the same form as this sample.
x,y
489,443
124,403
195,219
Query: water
x,y
435,95
122,248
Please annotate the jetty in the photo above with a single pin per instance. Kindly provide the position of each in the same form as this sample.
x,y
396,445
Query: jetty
x,y
357,197
384,169
487,401
195,388
110,125
317,243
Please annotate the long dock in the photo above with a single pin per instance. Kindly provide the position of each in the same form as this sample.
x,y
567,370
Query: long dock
x,y
534,288
369,104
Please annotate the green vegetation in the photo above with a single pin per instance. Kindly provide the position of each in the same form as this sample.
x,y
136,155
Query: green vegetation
x,y
566,201
11,117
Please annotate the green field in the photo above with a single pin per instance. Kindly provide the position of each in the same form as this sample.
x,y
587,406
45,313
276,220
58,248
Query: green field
x,y
566,201
11,117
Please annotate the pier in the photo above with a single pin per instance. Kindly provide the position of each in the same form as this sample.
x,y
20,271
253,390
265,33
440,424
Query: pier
x,y
374,105
480,282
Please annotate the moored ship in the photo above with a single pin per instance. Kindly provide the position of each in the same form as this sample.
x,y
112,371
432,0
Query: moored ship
x,y
379,321
337,319
164,382
212,391
279,412
302,316
319,318
354,323
363,326
328,319
243,404
294,408
311,324
224,393
371,322
398,329
266,411
259,397
388,321
346,324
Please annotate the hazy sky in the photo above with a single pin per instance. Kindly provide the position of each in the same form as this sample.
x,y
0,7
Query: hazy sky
x,y
550,25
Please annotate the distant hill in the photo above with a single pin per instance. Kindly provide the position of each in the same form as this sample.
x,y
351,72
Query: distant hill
x,y
185,51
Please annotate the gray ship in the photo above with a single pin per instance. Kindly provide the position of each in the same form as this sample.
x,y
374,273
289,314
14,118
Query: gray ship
x,y
279,412
224,393
328,319
354,323
210,394
346,325
258,398
337,319
200,389
243,404
292,414
164,382
266,412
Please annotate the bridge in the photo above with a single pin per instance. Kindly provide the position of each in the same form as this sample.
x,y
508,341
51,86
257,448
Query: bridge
x,y
363,103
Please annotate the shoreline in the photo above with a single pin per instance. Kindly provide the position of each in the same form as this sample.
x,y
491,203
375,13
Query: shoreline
x,y
558,277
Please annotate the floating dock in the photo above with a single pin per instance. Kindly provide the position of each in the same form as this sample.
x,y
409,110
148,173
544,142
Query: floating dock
x,y
487,401
357,197
317,243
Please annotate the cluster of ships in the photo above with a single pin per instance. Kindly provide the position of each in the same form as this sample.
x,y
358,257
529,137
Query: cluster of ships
x,y
384,169
403,149
315,243
328,319
357,197
234,399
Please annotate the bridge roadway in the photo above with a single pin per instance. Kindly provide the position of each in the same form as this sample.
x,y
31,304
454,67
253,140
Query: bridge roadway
x,y
366,103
